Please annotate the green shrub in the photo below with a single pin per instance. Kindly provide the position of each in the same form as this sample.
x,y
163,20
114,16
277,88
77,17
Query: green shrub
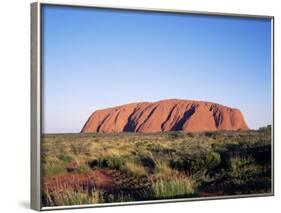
x,y
66,158
147,161
207,160
190,134
265,129
211,134
175,135
238,166
111,162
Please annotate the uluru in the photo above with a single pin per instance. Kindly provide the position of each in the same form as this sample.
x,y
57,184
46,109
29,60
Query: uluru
x,y
166,115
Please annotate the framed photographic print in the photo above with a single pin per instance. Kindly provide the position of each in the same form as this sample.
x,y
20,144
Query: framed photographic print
x,y
139,106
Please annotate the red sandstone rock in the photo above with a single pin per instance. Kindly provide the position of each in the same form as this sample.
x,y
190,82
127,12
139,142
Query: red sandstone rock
x,y
166,115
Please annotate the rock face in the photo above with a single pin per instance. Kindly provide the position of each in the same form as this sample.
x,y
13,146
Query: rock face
x,y
166,115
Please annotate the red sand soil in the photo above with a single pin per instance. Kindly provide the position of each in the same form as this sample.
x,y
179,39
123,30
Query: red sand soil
x,y
166,115
99,178
107,179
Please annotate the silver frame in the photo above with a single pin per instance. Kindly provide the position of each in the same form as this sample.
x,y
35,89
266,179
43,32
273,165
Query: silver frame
x,y
36,106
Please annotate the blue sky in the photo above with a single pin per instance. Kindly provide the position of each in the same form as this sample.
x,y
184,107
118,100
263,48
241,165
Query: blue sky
x,y
94,58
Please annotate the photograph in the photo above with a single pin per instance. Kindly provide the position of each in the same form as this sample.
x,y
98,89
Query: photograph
x,y
147,106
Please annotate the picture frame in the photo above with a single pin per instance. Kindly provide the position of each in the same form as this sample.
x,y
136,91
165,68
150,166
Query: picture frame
x,y
37,118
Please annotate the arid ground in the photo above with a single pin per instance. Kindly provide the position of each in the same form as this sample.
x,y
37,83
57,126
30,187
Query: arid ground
x,y
91,168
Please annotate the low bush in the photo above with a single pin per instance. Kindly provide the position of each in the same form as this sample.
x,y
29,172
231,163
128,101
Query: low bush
x,y
207,160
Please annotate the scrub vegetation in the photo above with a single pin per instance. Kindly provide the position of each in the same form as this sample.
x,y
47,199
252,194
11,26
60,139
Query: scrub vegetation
x,y
123,167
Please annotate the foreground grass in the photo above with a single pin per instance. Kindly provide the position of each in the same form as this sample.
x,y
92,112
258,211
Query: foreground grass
x,y
171,188
159,166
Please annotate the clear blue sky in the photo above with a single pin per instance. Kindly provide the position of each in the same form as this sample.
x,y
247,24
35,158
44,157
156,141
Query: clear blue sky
x,y
95,58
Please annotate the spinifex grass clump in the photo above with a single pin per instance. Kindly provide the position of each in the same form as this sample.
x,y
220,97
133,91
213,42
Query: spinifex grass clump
x,y
172,187
135,169
72,197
